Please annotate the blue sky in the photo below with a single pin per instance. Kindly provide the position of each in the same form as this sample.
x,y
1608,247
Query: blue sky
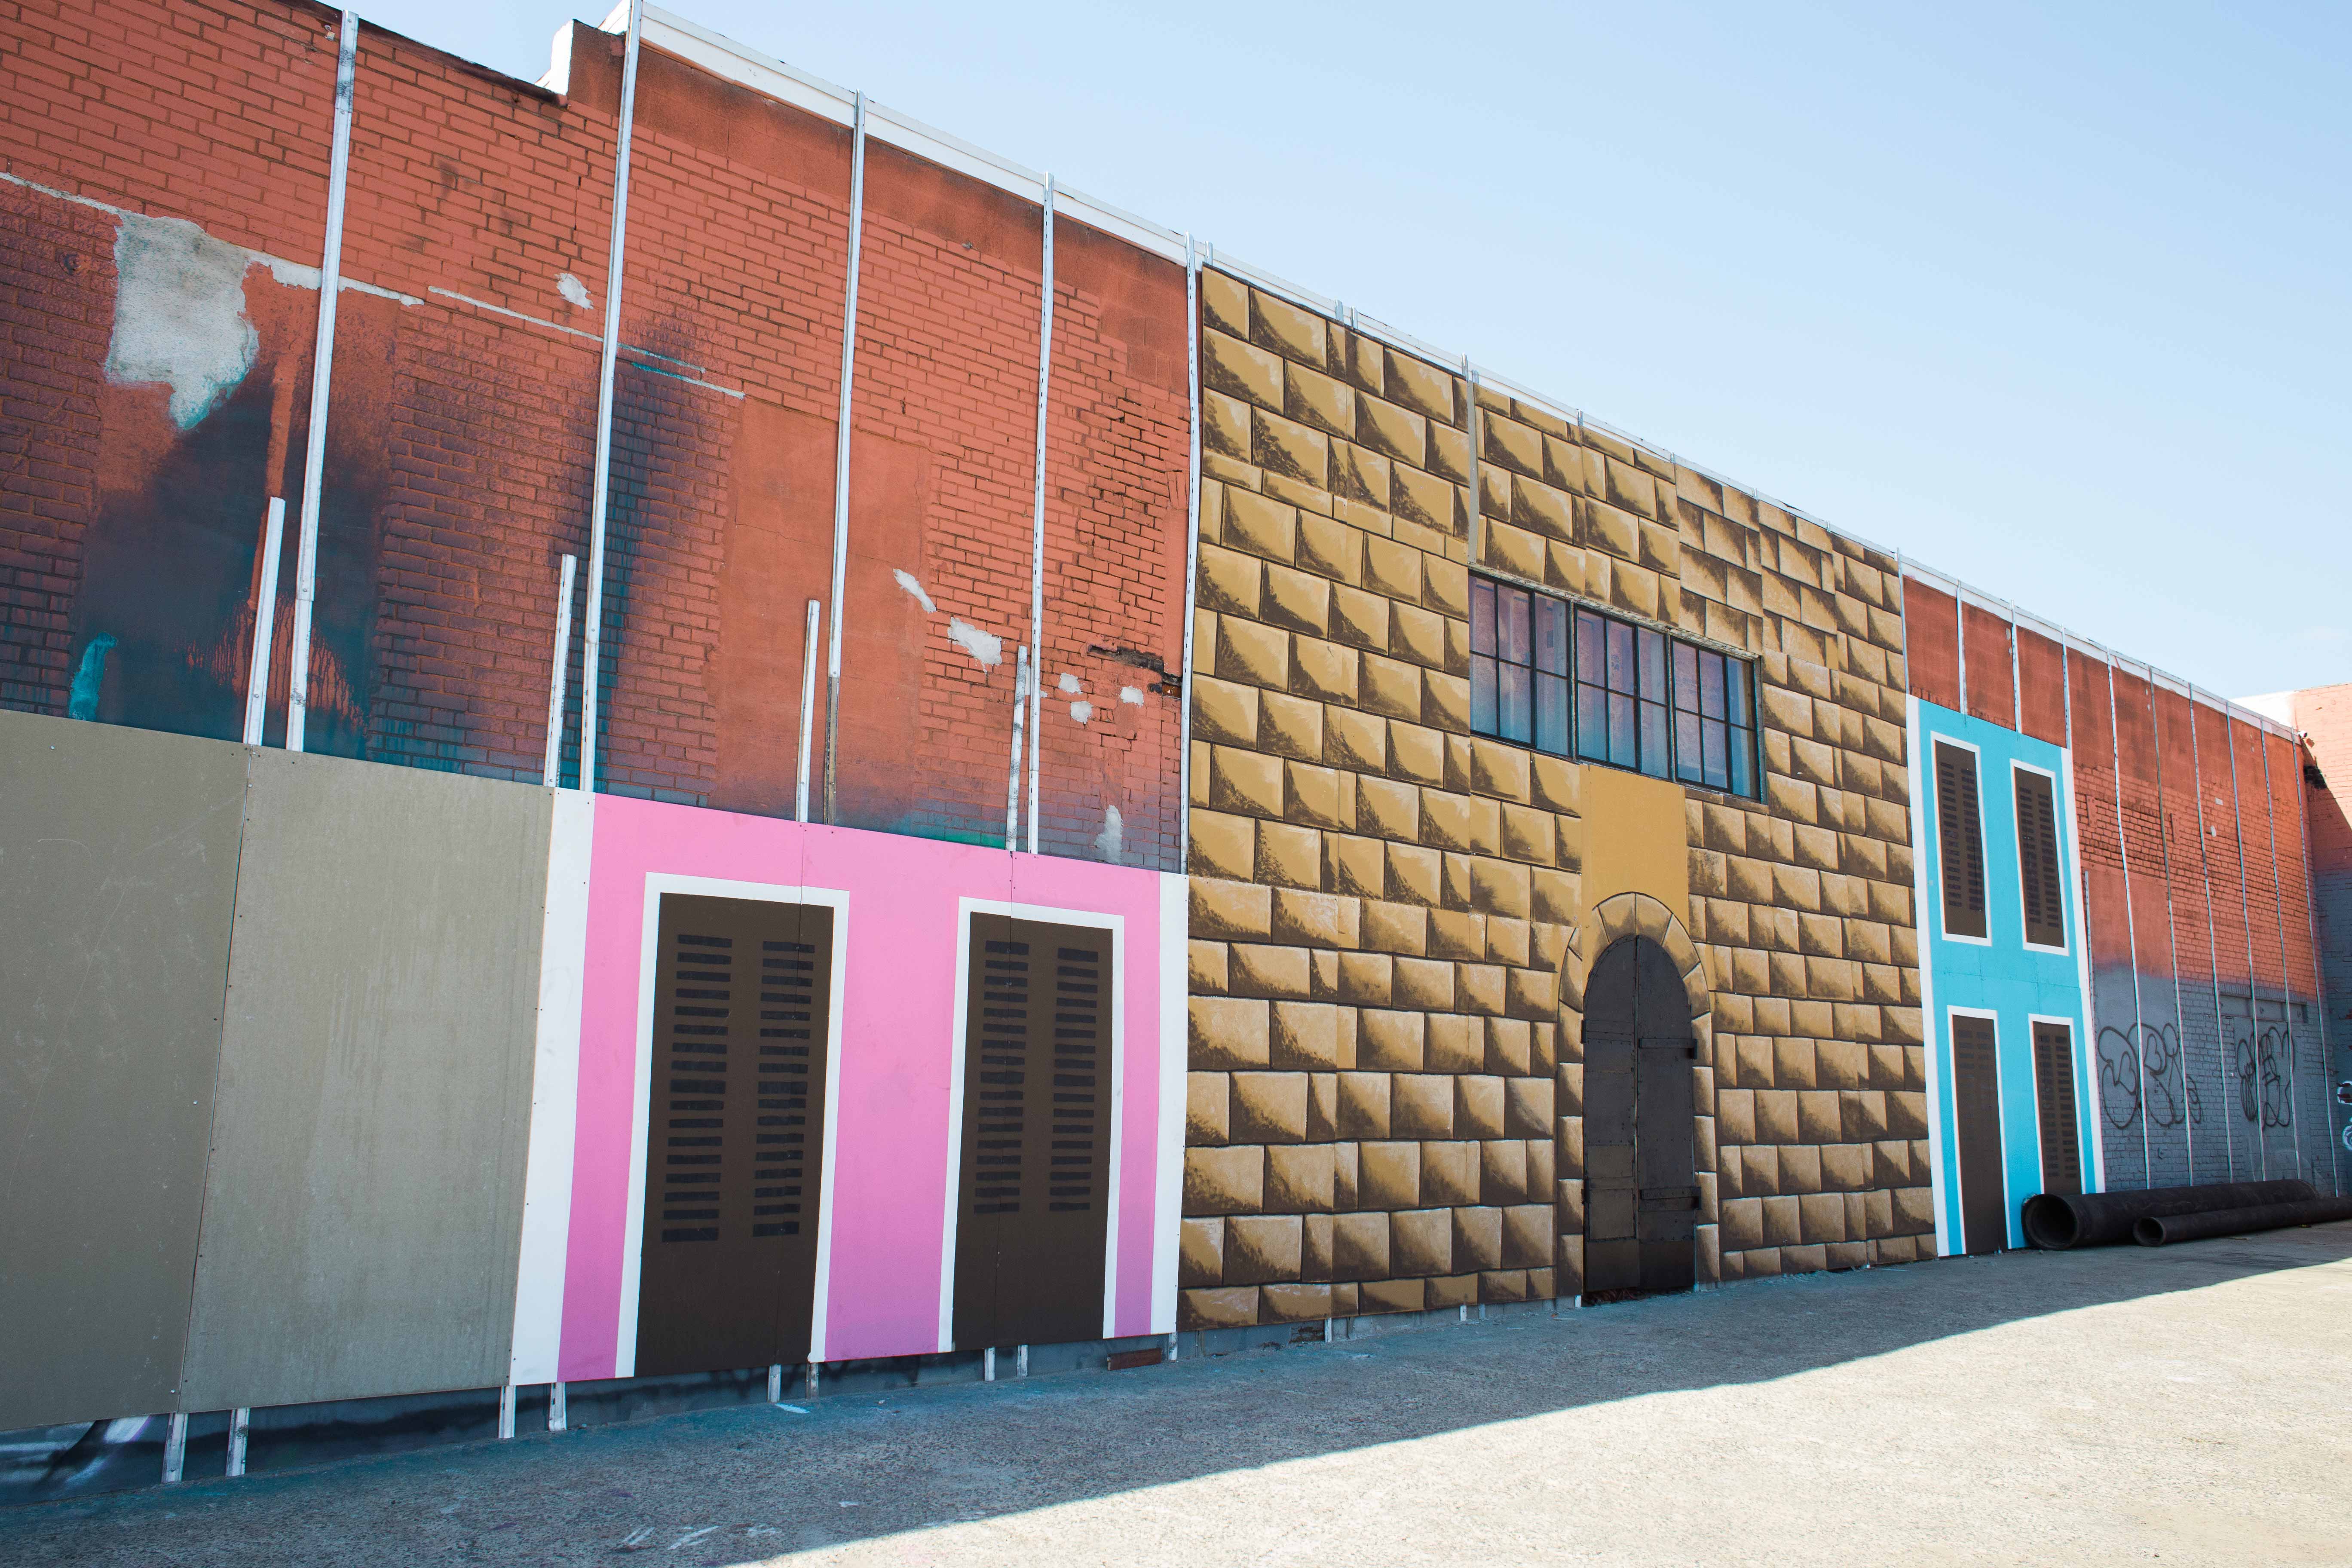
x,y
2056,299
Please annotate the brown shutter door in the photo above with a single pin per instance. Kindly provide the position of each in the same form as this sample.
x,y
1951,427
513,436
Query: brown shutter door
x,y
733,1140
2053,1084
1976,1105
1033,1217
2037,858
1960,840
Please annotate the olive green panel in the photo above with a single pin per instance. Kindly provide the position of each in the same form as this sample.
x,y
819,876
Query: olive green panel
x,y
118,879
365,1203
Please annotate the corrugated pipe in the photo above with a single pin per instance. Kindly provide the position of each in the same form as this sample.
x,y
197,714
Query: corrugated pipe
x,y
2156,1230
2056,1220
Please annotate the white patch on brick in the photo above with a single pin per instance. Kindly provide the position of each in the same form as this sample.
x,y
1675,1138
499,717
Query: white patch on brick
x,y
179,314
1110,841
572,289
1069,683
987,649
907,580
1131,694
1082,711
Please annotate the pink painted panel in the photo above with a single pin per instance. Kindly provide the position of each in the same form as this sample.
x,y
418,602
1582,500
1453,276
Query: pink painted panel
x,y
889,1191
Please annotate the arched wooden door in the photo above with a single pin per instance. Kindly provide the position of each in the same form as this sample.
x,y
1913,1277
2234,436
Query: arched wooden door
x,y
1641,1181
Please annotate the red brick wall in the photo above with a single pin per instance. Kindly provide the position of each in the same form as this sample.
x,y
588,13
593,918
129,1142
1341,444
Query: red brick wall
x,y
1992,681
462,436
1931,644
2041,686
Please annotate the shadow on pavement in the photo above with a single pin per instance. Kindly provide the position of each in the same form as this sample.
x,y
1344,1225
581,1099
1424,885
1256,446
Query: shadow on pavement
x,y
747,1484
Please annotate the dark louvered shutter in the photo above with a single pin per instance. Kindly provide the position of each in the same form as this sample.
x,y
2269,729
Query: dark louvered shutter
x,y
2037,858
734,1143
2054,1087
1033,1216
1976,1107
1960,840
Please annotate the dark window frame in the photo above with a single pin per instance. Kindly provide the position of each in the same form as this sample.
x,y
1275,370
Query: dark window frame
x,y
2039,859
1960,878
1568,680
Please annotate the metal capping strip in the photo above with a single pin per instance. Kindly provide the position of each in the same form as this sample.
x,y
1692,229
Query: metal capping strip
x,y
2091,648
725,57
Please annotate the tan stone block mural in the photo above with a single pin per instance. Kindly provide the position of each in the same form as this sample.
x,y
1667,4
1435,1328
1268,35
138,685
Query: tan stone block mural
x,y
1394,920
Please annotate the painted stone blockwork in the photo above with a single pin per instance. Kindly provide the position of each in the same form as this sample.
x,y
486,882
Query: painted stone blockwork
x,y
1392,919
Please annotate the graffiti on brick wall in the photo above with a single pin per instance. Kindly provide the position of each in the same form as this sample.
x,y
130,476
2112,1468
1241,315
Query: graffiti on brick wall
x,y
2264,1063
2140,1069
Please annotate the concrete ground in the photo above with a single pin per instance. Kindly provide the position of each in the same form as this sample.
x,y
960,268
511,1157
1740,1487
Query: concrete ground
x,y
2188,1404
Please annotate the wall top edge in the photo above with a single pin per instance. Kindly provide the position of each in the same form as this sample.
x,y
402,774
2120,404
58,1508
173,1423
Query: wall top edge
x,y
724,57
733,61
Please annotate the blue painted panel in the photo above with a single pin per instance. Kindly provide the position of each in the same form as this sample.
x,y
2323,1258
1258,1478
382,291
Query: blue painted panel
x,y
1999,974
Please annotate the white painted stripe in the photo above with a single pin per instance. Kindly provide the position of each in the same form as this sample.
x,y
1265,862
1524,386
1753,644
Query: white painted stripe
x,y
1167,1199
1938,1157
554,1094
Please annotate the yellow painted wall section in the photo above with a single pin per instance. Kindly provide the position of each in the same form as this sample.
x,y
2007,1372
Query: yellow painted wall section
x,y
1634,839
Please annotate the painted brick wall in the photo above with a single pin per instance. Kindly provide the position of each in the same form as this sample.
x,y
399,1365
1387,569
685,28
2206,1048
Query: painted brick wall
x,y
463,426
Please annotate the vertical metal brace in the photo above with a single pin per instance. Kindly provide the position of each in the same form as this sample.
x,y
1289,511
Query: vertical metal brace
x,y
2212,947
775,1383
175,1448
2286,977
1021,1361
841,452
1019,721
2171,938
2016,685
553,773
808,714
322,375
809,1381
1037,530
2131,928
559,1418
239,1420
1960,646
600,504
2246,917
987,1365
1192,561
265,624
505,1411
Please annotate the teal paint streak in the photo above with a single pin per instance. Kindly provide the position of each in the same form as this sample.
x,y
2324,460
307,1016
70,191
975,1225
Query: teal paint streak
x,y
81,700
2000,975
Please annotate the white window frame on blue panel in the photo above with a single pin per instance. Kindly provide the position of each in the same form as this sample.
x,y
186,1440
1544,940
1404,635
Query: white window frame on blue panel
x,y
1935,831
2058,802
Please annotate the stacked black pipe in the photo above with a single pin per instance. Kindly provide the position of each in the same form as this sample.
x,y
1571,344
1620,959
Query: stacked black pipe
x,y
2159,1214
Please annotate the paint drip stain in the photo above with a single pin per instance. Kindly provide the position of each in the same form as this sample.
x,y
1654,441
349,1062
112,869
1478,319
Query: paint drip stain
x,y
81,700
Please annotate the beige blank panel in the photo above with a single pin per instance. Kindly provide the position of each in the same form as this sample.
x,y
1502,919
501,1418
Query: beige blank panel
x,y
118,858
363,1211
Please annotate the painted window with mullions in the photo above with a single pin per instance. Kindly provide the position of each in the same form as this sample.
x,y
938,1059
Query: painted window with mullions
x,y
1577,683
